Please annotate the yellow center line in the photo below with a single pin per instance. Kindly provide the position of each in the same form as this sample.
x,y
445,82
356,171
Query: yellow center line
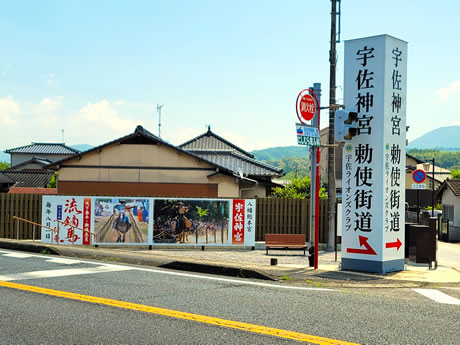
x,y
179,314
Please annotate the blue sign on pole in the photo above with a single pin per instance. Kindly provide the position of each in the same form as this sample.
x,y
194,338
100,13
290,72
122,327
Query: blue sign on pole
x,y
418,176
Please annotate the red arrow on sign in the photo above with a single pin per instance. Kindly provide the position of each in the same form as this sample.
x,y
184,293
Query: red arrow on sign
x,y
397,244
362,242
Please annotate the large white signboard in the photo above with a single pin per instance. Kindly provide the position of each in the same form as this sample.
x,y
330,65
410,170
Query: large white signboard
x,y
105,220
374,160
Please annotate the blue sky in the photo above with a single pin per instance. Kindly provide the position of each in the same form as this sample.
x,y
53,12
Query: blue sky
x,y
98,68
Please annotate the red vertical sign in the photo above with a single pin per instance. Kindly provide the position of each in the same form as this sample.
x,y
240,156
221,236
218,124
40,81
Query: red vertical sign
x,y
238,221
87,221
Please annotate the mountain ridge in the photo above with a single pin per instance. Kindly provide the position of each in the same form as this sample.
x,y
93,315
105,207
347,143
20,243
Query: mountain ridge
x,y
443,138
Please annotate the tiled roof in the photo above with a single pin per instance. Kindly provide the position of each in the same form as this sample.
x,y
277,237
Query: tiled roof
x,y
4,178
30,179
227,161
34,160
31,190
211,141
140,135
45,148
238,163
454,185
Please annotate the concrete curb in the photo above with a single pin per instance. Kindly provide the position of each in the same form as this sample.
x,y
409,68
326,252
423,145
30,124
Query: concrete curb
x,y
117,256
300,275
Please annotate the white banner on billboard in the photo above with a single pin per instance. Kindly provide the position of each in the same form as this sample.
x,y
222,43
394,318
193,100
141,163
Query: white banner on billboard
x,y
374,161
67,214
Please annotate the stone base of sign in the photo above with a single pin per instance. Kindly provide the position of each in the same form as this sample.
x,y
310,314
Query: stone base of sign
x,y
373,266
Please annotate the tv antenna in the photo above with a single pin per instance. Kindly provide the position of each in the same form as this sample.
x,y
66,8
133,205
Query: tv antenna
x,y
159,118
63,136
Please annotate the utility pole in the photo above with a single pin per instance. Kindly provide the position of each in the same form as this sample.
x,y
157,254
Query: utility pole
x,y
331,191
159,118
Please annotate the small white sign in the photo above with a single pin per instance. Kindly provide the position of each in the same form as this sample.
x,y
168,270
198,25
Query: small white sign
x,y
418,186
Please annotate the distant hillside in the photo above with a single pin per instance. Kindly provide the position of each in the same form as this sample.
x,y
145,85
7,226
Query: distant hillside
x,y
443,138
280,152
292,159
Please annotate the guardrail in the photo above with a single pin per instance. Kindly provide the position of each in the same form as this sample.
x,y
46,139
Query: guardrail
x,y
17,219
54,230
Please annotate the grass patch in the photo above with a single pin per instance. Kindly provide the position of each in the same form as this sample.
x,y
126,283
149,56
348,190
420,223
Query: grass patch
x,y
312,283
286,277
45,251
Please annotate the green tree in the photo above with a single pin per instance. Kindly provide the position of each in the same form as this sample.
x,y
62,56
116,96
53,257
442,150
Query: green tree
x,y
53,181
455,174
4,165
299,188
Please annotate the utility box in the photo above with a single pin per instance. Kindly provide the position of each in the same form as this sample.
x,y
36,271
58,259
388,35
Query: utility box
x,y
407,241
423,245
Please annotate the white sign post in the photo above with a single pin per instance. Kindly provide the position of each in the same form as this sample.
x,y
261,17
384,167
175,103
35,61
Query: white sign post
x,y
374,160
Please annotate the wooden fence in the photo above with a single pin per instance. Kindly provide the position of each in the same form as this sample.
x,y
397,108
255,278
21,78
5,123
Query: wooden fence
x,y
27,206
288,216
278,216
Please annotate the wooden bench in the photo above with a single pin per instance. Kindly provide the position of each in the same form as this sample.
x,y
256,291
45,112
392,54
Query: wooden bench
x,y
285,242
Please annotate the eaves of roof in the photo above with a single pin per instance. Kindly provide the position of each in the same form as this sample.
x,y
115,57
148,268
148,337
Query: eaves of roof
x,y
44,148
238,163
30,179
39,161
139,132
210,133
4,178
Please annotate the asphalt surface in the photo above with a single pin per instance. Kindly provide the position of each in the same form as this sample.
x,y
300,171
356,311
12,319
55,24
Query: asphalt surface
x,y
365,316
292,267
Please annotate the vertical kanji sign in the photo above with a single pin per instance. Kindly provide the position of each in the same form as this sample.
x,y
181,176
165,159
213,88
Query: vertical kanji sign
x,y
87,221
238,221
374,160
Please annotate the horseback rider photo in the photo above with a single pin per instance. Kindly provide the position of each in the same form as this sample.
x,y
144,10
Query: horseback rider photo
x,y
121,222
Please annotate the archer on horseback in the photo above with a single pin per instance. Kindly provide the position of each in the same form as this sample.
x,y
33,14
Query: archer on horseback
x,y
182,223
121,222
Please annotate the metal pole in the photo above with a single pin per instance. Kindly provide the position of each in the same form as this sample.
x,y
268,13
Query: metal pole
x,y
331,191
17,229
418,204
432,193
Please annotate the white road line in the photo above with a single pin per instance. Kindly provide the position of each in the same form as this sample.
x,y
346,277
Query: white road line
x,y
63,261
62,273
438,296
197,276
18,255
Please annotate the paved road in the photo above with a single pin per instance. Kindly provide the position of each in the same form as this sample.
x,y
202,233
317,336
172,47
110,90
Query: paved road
x,y
449,255
370,316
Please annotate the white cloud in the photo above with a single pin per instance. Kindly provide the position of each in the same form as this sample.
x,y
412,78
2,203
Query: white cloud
x,y
10,111
452,90
179,135
100,122
47,109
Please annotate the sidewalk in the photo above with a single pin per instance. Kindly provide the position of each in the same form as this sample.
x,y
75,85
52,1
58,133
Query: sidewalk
x,y
292,266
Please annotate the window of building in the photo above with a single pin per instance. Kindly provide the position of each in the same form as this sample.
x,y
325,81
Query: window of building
x,y
448,213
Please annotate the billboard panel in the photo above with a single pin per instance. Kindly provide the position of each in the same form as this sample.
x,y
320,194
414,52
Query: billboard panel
x,y
105,220
121,220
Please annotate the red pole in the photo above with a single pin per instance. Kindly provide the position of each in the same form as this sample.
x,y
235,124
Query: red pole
x,y
317,207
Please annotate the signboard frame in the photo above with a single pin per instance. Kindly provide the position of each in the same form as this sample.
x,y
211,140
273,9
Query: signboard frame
x,y
128,220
